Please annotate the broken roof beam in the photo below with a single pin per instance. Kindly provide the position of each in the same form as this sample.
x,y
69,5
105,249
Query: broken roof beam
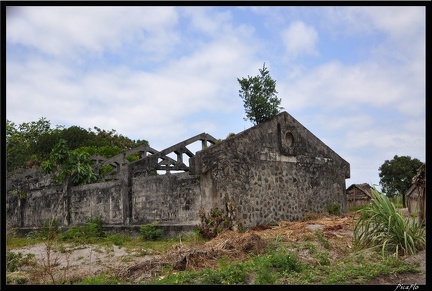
x,y
121,160
152,162
180,148
183,150
204,137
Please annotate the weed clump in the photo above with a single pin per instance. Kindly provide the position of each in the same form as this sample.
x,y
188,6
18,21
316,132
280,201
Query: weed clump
x,y
151,231
380,225
213,223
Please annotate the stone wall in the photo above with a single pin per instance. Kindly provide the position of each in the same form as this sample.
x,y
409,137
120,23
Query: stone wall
x,y
168,199
277,170
38,204
107,201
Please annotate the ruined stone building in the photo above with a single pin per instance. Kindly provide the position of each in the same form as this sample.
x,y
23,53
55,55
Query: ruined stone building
x,y
276,170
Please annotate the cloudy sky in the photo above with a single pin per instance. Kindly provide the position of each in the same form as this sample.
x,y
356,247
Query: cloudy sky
x,y
354,76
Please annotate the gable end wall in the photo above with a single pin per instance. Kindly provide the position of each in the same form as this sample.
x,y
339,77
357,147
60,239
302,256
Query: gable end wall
x,y
277,170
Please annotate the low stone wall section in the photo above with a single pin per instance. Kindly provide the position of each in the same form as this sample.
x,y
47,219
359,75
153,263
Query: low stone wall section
x,y
106,201
172,198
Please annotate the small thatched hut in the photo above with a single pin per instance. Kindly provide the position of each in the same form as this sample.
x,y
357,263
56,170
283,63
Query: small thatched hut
x,y
416,194
358,194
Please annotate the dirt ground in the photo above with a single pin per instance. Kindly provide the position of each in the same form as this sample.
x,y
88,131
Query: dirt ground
x,y
141,264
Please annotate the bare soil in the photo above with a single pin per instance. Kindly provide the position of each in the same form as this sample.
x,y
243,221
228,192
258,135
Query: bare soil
x,y
75,263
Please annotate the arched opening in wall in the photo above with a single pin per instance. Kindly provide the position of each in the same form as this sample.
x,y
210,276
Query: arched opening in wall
x,y
288,139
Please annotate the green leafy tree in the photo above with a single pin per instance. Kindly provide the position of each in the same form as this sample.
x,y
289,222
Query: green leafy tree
x,y
30,144
104,151
46,142
259,96
76,137
396,175
22,143
69,167
112,138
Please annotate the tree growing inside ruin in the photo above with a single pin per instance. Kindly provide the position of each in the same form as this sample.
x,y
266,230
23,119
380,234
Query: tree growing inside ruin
x,y
259,96
70,167
396,175
29,144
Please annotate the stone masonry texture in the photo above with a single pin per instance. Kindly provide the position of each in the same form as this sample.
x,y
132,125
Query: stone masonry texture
x,y
276,170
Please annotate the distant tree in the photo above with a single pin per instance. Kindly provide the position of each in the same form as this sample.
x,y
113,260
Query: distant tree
x,y
22,143
46,142
259,96
396,175
102,137
76,137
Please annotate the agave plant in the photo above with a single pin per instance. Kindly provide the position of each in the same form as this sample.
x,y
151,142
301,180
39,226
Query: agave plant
x,y
381,225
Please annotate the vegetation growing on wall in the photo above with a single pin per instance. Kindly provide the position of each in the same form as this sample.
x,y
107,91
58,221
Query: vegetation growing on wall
x,y
213,223
29,144
69,165
259,96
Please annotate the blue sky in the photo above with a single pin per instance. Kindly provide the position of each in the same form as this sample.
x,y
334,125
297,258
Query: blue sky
x,y
354,76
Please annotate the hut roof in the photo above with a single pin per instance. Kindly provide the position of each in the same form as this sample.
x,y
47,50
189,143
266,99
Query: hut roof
x,y
365,188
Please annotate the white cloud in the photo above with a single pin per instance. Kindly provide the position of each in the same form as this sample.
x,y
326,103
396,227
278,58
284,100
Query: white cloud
x,y
300,39
167,73
355,121
64,30
335,85
47,90
207,21
398,22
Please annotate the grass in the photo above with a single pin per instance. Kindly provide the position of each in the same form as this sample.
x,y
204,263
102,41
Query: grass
x,y
310,261
262,269
282,266
354,269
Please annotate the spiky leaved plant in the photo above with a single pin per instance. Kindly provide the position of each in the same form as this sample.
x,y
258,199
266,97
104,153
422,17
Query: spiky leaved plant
x,y
381,225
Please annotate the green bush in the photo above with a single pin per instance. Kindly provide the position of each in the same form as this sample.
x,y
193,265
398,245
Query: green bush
x,y
93,229
323,240
381,225
151,231
118,239
334,209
